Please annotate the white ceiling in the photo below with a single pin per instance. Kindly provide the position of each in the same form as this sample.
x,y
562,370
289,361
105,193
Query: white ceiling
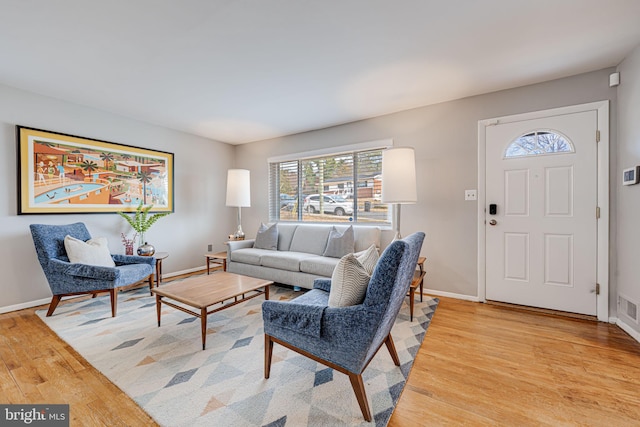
x,y
244,70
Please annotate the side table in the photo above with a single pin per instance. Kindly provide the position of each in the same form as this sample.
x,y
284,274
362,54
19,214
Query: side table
x,y
220,261
418,280
159,256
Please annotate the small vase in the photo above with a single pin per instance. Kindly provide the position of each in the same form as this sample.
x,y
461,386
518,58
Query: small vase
x,y
128,249
146,250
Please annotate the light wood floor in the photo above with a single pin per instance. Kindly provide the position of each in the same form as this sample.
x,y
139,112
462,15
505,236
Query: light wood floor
x,y
479,365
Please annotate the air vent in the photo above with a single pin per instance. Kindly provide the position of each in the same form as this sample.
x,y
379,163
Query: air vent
x,y
628,308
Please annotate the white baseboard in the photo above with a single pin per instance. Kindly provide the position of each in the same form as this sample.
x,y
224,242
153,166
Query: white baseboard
x,y
628,329
613,320
451,295
189,270
24,305
43,301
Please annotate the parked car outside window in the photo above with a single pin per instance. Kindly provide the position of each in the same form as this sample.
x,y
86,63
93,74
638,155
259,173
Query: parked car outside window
x,y
333,204
287,202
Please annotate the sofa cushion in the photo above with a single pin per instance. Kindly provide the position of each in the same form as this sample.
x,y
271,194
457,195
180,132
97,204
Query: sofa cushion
x,y
286,260
339,243
285,235
320,265
348,283
365,237
92,252
310,238
248,255
267,237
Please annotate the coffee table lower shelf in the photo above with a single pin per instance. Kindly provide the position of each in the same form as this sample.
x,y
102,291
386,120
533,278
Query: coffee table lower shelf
x,y
204,291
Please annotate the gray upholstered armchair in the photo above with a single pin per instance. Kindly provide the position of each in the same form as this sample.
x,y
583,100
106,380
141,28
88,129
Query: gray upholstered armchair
x,y
66,279
346,338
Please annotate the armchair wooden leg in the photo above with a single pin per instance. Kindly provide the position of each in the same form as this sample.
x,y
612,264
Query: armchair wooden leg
x,y
151,284
392,350
358,389
113,293
54,303
268,352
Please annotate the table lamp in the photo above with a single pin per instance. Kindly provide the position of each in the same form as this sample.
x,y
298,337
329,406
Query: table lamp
x,y
238,195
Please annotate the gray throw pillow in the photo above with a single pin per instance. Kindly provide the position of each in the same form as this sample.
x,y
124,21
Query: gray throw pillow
x,y
348,283
340,244
267,237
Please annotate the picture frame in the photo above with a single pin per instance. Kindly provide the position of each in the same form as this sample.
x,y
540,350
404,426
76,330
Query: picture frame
x,y
63,174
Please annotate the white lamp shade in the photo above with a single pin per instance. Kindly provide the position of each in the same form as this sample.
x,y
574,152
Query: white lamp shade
x,y
399,175
238,188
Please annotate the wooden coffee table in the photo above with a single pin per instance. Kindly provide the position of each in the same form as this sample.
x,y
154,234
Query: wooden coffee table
x,y
201,292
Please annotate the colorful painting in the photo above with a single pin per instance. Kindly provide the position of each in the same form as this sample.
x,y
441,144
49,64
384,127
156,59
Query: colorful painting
x,y
60,173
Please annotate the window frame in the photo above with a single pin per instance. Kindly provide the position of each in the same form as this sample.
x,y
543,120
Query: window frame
x,y
273,164
537,132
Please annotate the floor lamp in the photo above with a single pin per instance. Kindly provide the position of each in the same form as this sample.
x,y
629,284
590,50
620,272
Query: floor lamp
x,y
238,195
399,180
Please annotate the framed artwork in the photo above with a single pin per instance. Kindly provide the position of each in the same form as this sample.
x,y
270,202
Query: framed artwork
x,y
60,173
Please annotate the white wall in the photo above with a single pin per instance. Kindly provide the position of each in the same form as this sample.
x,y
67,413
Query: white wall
x,y
627,265
200,216
445,139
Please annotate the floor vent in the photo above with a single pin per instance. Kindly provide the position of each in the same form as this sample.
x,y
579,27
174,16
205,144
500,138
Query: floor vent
x,y
628,308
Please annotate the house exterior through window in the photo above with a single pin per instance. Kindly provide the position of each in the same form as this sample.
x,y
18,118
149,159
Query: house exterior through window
x,y
342,188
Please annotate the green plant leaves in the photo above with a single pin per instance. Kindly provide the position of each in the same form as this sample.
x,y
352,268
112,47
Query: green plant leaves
x,y
141,221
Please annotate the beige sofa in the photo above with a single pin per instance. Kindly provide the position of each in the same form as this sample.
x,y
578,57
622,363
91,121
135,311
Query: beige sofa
x,y
298,259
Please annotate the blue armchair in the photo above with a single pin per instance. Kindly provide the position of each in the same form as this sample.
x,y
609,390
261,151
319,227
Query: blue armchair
x,y
66,279
345,338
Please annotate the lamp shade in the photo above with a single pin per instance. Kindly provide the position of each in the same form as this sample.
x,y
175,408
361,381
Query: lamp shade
x,y
399,175
238,188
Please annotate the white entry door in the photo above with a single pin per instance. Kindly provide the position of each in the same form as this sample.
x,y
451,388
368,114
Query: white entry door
x,y
541,243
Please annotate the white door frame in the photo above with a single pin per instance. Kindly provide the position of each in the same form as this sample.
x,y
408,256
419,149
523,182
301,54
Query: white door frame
x,y
602,268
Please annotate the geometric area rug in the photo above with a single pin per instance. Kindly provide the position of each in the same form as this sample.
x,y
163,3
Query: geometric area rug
x,y
168,374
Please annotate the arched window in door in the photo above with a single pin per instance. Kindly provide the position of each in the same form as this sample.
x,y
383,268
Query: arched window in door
x,y
539,143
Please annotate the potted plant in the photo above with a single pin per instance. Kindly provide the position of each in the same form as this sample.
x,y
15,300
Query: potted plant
x,y
141,221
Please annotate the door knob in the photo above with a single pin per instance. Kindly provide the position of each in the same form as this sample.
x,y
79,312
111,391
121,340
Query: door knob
x,y
493,222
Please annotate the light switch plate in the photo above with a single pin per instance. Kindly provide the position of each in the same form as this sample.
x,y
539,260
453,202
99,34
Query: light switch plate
x,y
470,194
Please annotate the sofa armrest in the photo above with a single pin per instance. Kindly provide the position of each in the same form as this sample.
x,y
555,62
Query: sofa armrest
x,y
238,244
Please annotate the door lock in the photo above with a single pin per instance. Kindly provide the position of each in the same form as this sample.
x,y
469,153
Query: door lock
x,y
493,222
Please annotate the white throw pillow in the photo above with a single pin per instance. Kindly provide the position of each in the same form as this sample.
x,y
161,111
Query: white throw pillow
x,y
348,283
91,252
368,258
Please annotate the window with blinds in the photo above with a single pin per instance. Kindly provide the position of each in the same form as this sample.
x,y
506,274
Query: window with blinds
x,y
343,187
